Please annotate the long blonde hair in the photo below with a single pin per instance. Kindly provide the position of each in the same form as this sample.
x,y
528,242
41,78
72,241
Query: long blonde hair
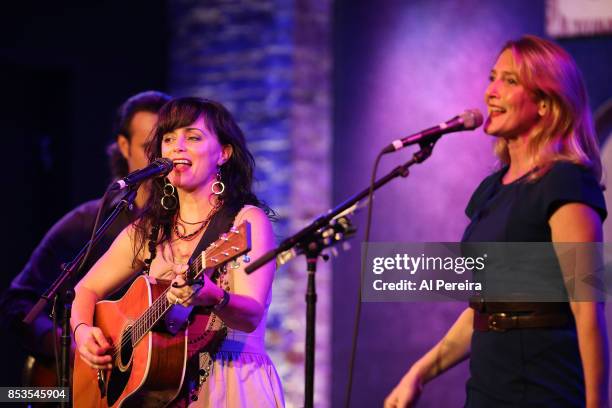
x,y
566,131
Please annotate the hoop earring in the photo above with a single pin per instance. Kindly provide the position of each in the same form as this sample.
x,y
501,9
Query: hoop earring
x,y
218,187
169,200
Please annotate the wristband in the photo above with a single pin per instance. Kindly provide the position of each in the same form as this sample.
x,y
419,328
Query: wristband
x,y
223,302
75,329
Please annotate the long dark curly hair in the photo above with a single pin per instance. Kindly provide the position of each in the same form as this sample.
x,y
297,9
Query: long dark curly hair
x,y
236,172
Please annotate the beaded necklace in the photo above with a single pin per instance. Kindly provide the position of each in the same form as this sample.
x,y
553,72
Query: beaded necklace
x,y
191,236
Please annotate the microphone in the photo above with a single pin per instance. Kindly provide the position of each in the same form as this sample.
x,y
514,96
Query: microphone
x,y
159,168
468,120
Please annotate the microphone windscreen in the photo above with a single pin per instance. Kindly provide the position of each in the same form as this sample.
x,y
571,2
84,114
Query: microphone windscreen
x,y
164,163
472,118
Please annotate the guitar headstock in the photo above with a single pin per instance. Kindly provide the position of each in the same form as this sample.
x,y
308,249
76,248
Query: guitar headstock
x,y
229,246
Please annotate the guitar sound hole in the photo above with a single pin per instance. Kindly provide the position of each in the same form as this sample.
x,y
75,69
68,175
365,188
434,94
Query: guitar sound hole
x,y
126,347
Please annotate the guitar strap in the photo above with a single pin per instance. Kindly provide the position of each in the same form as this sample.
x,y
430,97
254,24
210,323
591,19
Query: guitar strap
x,y
220,223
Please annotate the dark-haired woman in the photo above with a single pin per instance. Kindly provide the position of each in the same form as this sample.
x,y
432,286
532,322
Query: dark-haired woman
x,y
531,354
209,187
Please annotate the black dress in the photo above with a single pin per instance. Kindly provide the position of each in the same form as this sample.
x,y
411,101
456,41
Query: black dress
x,y
527,367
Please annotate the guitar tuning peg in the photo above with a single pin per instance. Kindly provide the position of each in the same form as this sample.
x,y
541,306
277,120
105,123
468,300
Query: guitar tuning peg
x,y
246,259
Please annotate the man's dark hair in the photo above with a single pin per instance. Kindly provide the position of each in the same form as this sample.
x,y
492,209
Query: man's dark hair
x,y
149,101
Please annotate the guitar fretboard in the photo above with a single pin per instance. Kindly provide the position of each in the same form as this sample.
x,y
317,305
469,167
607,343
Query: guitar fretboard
x,y
160,306
216,254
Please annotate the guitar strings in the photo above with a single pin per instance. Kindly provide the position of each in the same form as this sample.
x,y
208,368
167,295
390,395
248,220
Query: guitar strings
x,y
143,323
161,304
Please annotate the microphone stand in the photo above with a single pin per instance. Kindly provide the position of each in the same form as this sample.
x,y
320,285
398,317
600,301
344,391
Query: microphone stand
x,y
310,242
62,290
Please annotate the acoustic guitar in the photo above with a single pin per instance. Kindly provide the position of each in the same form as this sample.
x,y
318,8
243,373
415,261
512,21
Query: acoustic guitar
x,y
149,358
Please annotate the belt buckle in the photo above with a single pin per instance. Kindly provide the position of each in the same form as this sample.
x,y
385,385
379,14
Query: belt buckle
x,y
492,322
477,303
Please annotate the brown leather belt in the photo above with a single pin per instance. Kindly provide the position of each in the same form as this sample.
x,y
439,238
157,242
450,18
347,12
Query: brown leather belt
x,y
478,304
502,316
502,321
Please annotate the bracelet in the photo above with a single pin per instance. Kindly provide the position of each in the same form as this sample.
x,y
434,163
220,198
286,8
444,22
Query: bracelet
x,y
75,329
223,302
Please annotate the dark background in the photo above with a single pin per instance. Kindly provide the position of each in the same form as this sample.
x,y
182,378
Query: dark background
x,y
65,69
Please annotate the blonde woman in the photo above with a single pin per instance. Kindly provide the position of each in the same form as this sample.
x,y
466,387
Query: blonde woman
x,y
547,190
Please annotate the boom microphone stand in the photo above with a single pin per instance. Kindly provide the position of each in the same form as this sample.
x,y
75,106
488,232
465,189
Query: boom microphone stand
x,y
311,241
61,290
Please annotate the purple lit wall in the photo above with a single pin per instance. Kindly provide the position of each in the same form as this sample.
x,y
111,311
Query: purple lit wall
x,y
401,67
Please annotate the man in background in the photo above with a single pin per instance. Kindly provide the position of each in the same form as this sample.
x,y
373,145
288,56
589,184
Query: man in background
x,y
136,117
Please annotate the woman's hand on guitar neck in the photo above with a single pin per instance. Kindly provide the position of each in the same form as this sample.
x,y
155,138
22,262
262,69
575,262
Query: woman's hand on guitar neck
x,y
93,347
196,295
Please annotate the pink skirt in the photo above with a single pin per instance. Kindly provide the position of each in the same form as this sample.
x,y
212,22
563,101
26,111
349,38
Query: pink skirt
x,y
241,380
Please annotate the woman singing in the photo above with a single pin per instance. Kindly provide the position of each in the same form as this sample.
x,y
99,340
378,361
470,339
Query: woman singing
x,y
209,189
547,190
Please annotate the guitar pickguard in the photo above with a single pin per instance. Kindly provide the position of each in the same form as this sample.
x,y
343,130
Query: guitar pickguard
x,y
116,383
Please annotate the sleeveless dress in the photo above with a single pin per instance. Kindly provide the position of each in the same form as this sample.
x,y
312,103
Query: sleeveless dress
x,y
527,367
241,373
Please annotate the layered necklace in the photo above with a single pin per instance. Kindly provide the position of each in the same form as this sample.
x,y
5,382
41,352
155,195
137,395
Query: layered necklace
x,y
203,224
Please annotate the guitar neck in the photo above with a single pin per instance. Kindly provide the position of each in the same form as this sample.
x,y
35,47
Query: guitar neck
x,y
226,248
154,313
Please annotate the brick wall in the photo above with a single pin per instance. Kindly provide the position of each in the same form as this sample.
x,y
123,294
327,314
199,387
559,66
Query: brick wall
x,y
269,62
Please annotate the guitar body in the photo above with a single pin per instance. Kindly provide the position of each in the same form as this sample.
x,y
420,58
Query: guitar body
x,y
149,374
39,372
149,365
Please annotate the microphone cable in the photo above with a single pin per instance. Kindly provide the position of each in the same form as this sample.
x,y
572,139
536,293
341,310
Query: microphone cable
x,y
424,147
364,257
